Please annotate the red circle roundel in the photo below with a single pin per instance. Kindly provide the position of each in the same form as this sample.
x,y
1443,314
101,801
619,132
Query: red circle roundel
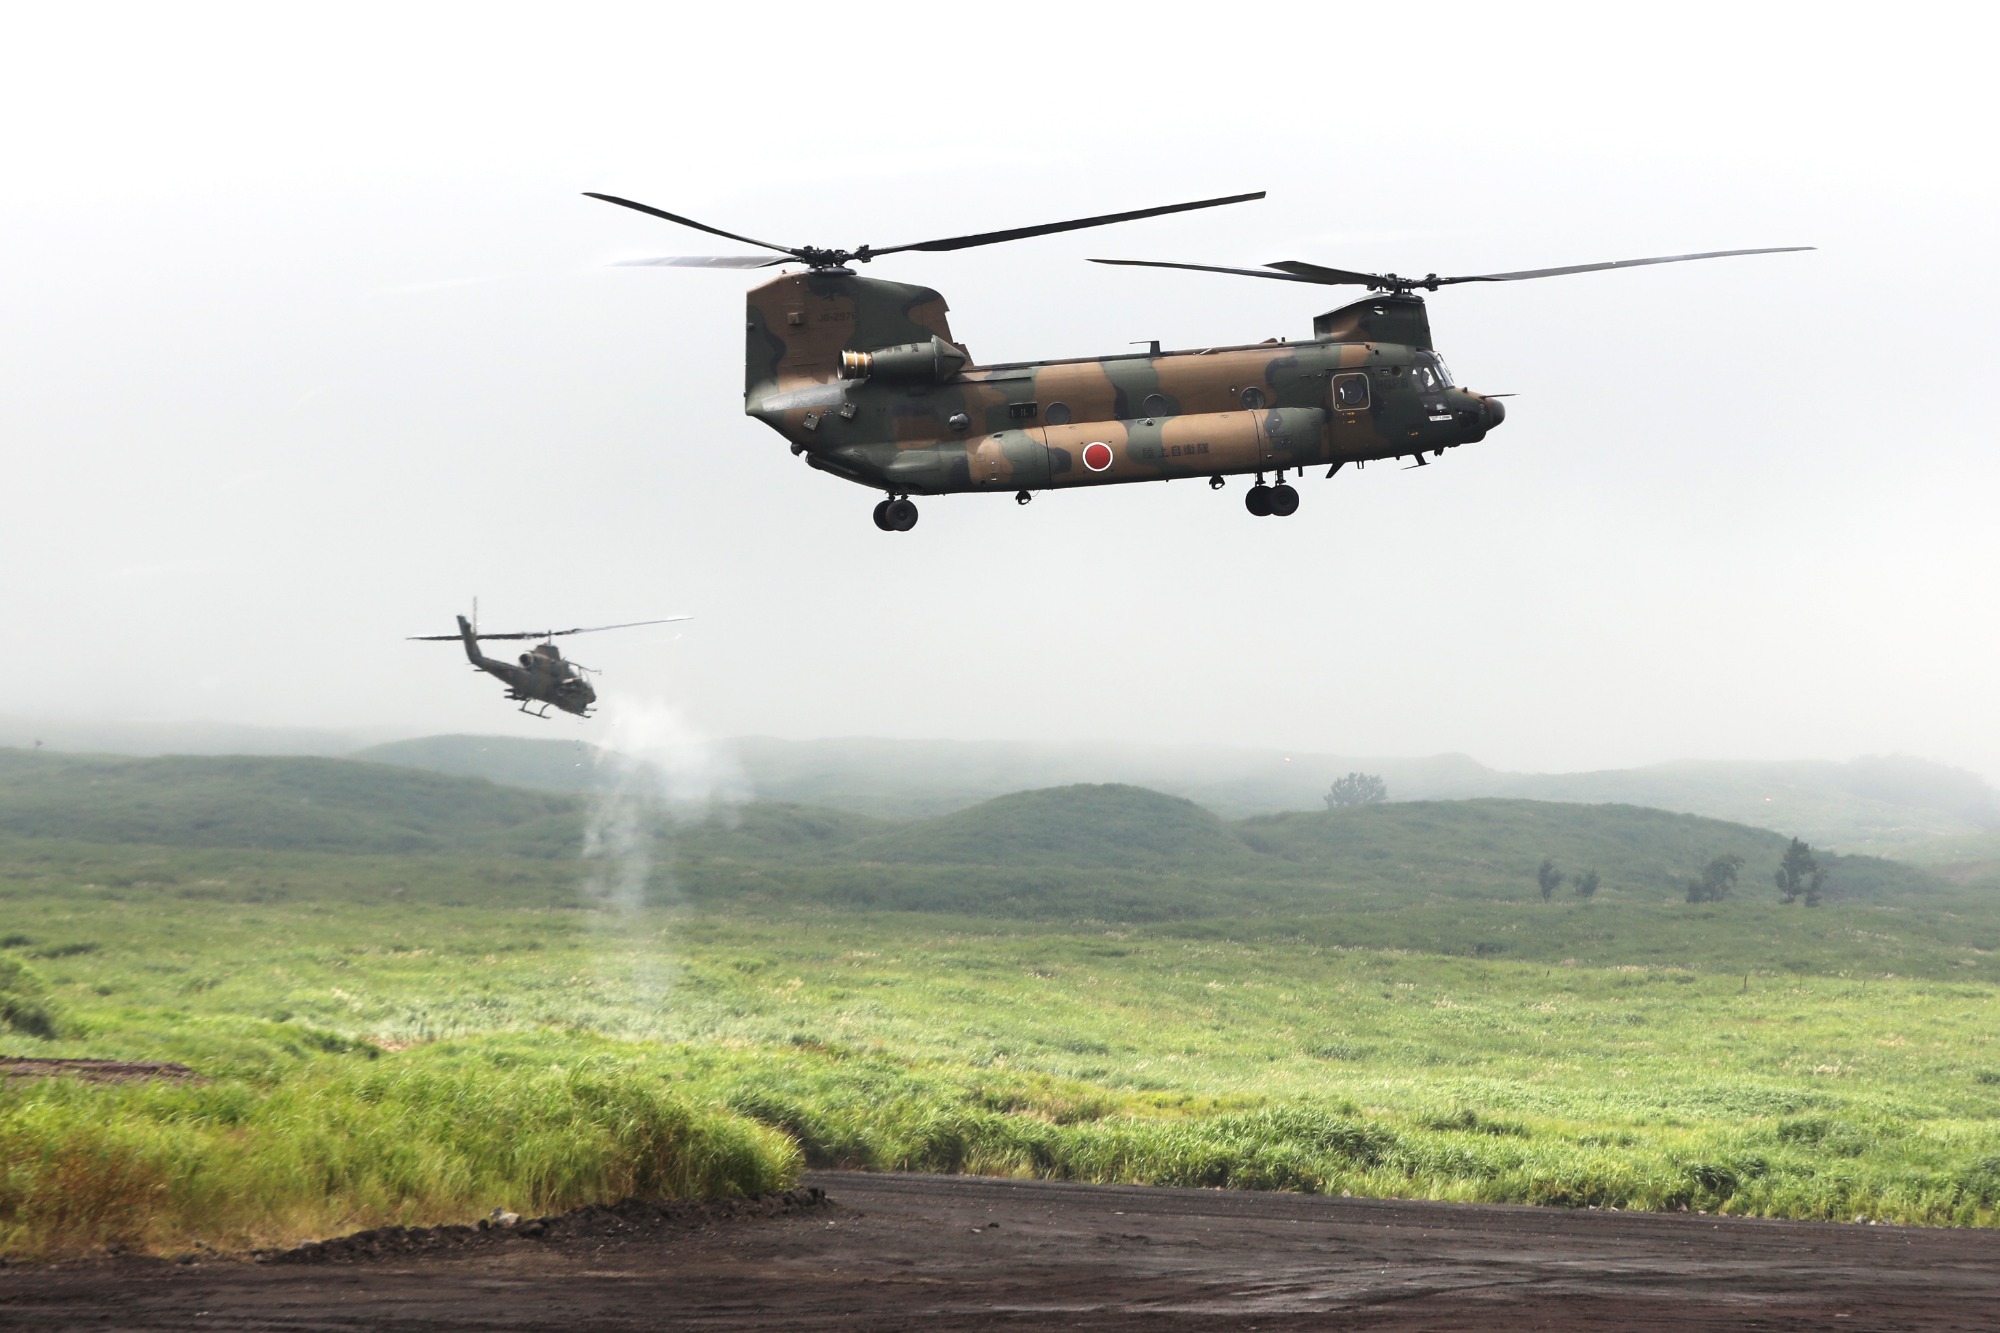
x,y
1097,455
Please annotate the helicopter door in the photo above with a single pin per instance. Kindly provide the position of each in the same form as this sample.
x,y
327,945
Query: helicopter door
x,y
1350,398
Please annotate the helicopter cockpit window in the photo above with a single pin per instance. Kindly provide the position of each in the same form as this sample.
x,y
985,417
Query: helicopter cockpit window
x,y
1350,392
1431,373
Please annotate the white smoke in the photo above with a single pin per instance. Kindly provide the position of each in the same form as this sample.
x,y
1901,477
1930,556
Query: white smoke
x,y
654,771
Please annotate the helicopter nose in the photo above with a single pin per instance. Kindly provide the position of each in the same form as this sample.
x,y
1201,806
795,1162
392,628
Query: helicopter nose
x,y
1496,411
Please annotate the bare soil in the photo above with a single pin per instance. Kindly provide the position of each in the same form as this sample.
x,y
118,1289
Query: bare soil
x,y
95,1071
908,1252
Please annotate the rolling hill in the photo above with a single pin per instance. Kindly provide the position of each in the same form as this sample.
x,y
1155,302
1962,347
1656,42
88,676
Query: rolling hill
x,y
284,804
1111,851
1869,804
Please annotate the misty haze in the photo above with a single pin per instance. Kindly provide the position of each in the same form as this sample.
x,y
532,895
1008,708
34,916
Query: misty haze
x,y
1592,804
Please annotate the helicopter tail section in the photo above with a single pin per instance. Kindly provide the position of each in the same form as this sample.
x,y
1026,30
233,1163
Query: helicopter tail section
x,y
472,653
802,325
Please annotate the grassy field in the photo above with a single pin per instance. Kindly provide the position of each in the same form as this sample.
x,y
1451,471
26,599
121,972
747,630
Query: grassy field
x,y
1097,984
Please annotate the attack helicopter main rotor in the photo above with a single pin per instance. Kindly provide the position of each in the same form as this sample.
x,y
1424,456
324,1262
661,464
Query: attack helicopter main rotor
x,y
543,634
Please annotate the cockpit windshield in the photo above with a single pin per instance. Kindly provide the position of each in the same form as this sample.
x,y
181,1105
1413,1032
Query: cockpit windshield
x,y
1431,372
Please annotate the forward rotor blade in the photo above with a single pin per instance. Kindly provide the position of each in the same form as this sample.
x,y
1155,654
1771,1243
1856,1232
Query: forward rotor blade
x,y
687,222
435,638
705,261
1048,228
1620,263
1207,268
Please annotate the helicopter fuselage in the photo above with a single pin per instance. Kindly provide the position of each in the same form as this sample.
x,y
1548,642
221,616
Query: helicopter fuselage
x,y
862,377
540,675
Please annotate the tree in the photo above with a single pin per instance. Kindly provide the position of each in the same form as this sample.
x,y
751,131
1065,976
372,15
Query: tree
x,y
1549,877
1799,873
1716,880
1586,884
1357,789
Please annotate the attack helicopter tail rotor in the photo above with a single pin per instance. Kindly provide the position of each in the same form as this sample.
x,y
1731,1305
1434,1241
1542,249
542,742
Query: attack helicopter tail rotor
x,y
815,257
1296,270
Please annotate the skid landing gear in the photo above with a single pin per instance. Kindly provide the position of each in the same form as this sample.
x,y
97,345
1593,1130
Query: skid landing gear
x,y
896,514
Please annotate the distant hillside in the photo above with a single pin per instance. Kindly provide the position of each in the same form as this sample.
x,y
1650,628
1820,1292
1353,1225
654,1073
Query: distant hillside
x,y
1106,851
302,804
518,761
1123,853
1864,804
909,779
72,736
1084,827
1493,847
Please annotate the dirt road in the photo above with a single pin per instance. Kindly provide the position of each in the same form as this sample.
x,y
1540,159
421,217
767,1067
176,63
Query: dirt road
x,y
887,1252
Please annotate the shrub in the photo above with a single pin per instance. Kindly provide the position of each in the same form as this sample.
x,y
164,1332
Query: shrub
x,y
24,1007
345,1145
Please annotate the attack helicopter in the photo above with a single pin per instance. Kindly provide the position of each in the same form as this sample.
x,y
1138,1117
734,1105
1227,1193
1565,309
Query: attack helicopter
x,y
865,381
542,675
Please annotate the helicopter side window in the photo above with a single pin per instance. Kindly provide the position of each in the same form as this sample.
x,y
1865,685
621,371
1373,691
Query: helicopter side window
x,y
1426,378
1350,392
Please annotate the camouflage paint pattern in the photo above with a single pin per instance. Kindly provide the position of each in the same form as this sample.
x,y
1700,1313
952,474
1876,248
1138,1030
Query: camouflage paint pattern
x,y
915,416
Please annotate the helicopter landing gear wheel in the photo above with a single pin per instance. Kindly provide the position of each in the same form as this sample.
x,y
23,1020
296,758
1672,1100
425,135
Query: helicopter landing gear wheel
x,y
899,515
1258,500
882,516
1284,501
1215,483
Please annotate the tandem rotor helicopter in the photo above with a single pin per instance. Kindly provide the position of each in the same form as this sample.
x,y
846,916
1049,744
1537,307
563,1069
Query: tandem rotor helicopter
x,y
542,674
863,378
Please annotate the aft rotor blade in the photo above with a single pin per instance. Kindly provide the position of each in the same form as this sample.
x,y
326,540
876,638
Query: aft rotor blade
x,y
1332,277
1620,263
705,261
687,222
1048,228
1208,268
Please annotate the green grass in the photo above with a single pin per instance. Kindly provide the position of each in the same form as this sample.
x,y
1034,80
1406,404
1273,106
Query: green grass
x,y
1303,1054
1092,983
339,1145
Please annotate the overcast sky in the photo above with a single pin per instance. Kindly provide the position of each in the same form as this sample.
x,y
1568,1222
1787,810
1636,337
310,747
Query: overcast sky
x,y
308,337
